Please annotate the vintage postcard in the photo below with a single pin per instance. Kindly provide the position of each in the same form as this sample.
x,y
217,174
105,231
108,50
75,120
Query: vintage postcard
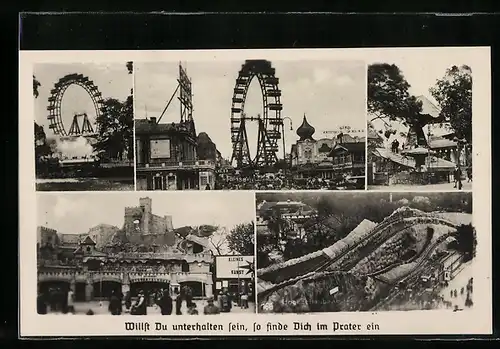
x,y
288,192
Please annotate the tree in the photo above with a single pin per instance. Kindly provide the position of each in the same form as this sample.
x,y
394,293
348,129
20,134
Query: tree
x,y
130,67
241,239
36,85
388,96
453,92
41,146
218,242
466,241
115,126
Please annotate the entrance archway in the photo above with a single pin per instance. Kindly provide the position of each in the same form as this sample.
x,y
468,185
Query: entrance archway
x,y
105,288
148,287
196,287
46,286
80,292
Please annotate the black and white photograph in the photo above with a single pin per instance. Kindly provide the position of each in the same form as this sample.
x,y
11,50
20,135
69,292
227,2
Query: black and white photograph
x,y
84,126
420,124
132,254
250,125
364,252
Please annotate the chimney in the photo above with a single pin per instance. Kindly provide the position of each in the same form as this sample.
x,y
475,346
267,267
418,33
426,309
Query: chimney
x,y
340,138
152,120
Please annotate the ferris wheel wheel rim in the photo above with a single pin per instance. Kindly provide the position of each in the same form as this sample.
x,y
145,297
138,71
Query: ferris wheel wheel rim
x,y
60,88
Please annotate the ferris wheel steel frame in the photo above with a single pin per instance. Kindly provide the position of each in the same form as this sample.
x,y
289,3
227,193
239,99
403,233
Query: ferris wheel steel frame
x,y
55,102
270,123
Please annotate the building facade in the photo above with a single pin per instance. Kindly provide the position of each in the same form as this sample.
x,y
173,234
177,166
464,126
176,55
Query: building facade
x,y
167,159
348,156
325,158
146,254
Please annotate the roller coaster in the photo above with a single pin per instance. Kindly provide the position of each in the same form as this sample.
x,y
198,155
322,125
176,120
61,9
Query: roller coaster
x,y
344,254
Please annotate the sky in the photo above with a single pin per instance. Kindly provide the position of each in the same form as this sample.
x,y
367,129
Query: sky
x,y
113,80
330,93
76,213
421,68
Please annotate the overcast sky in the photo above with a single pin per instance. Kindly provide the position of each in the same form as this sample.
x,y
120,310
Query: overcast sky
x,y
330,93
113,80
421,67
75,213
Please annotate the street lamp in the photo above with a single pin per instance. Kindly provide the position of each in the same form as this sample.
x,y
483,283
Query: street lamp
x,y
284,148
100,285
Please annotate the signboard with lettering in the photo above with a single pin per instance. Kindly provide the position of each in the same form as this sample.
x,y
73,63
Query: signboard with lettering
x,y
233,267
160,148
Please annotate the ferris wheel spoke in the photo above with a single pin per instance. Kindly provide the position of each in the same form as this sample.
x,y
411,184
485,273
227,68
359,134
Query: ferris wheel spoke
x,y
270,123
56,123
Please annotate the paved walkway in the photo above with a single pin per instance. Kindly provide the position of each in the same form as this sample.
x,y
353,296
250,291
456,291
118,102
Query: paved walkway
x,y
459,281
429,187
101,308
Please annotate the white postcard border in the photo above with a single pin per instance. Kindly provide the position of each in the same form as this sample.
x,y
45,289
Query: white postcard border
x,y
430,322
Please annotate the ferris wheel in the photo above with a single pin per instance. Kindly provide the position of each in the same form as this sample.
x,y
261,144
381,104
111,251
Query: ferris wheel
x,y
269,123
77,127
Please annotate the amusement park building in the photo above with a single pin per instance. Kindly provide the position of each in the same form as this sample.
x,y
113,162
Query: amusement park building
x,y
295,212
147,253
327,157
427,151
167,157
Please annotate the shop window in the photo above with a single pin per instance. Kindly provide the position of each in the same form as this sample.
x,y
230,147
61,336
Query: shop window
x,y
158,183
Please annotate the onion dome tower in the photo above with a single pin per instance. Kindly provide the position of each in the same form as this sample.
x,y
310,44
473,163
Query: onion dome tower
x,y
305,131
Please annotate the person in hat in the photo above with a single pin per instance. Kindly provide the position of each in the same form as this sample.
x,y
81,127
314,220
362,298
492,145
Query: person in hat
x,y
140,307
178,302
166,303
192,309
115,304
211,308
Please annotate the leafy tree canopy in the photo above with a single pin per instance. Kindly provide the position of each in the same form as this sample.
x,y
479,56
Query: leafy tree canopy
x,y
466,241
36,85
388,96
130,67
115,126
453,92
241,239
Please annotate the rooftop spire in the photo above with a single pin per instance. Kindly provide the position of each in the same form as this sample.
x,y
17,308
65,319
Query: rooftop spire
x,y
305,131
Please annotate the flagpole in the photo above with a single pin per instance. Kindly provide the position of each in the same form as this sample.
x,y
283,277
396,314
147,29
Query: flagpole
x,y
238,264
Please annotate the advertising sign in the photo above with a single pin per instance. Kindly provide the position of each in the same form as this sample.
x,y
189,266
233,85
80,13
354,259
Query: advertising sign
x,y
233,267
160,149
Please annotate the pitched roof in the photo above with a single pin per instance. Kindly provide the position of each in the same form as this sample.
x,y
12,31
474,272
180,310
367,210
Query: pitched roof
x,y
198,240
428,108
441,142
70,239
372,134
350,147
397,158
148,126
266,206
88,241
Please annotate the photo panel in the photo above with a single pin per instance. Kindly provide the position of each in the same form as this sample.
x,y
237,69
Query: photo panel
x,y
83,126
365,252
250,124
337,184
419,121
141,253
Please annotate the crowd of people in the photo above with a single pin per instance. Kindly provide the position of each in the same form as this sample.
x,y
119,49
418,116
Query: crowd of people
x,y
58,300
280,182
